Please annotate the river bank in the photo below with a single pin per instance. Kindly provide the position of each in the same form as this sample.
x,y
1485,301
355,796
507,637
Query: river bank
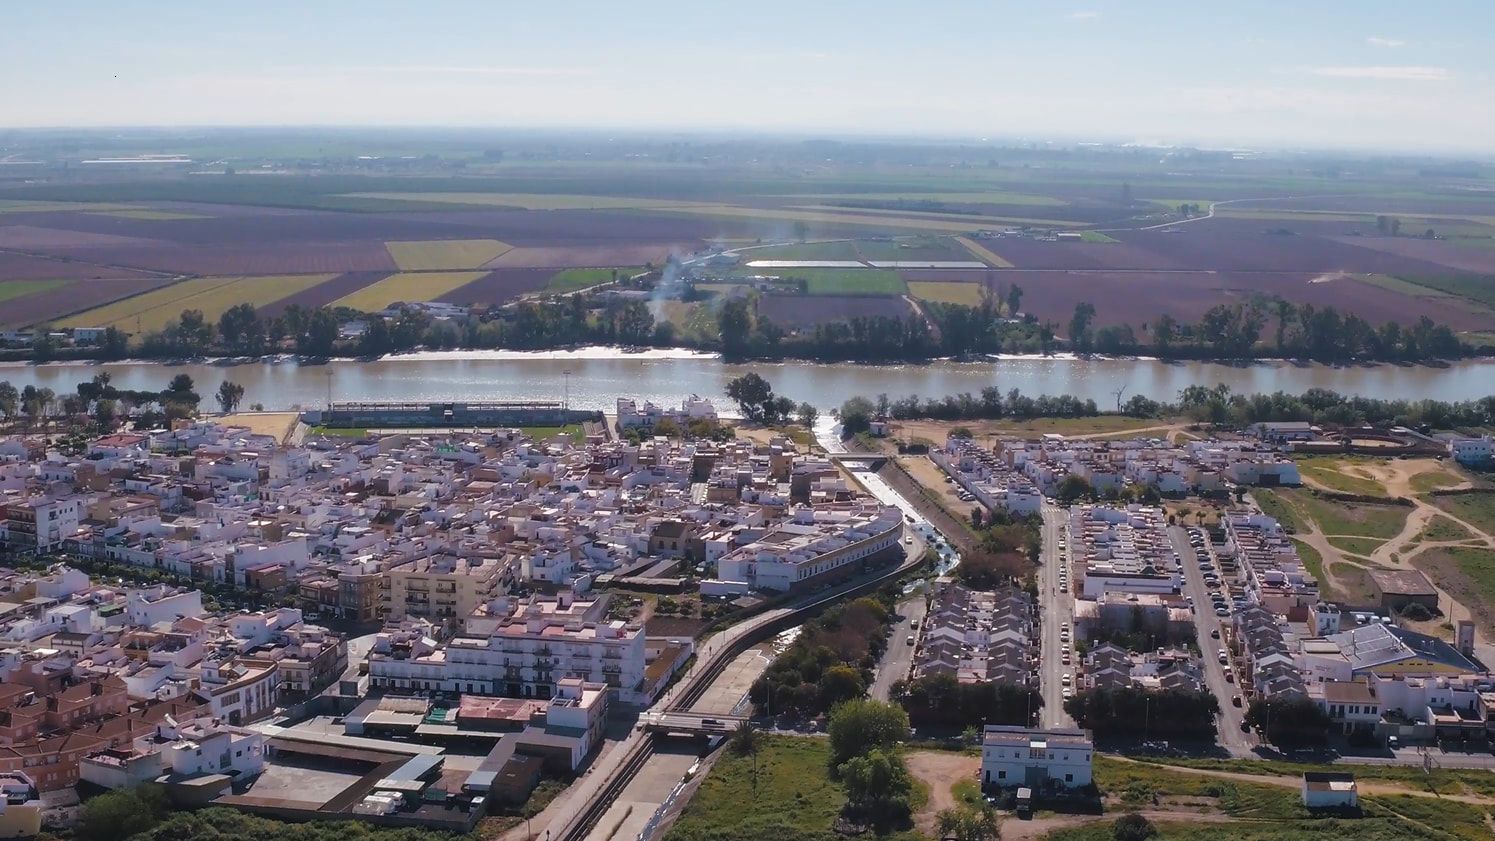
x,y
594,377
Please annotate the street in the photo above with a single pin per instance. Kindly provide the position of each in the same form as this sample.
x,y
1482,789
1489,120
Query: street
x,y
1208,625
1055,609
896,660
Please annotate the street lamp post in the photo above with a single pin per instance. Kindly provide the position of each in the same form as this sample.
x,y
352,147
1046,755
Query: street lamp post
x,y
566,398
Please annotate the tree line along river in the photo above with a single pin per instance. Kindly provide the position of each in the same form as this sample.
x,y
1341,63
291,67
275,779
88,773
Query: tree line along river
x,y
593,378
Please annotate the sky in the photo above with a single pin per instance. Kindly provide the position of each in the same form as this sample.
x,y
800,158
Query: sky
x,y
1365,74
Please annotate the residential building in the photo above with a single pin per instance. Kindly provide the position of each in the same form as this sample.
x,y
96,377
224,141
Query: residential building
x,y
1035,758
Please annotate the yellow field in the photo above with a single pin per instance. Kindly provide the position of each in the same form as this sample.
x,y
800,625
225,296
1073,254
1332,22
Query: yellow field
x,y
439,254
148,215
530,201
987,197
23,206
874,220
946,292
984,254
423,286
981,222
212,295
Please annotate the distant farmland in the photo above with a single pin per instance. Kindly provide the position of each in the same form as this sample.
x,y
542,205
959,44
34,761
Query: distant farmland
x,y
849,281
947,292
213,295
436,255
406,286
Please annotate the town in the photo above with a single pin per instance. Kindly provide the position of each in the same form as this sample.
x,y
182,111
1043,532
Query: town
x,y
434,627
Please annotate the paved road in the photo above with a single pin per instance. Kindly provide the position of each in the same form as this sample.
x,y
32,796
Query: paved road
x,y
900,655
1056,608
1230,736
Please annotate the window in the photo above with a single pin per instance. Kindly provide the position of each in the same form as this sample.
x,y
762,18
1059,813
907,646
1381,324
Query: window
x,y
1069,778
1001,775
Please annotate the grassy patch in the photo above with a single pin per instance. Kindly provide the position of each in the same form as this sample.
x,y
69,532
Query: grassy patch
x,y
435,255
148,215
1477,510
1479,288
213,295
1353,519
1364,829
1275,505
570,280
984,254
1356,545
850,281
1442,528
911,248
693,321
542,433
406,287
16,288
1141,783
837,250
1466,574
339,432
1429,480
1352,583
23,206
946,292
1312,561
1336,473
1440,781
792,798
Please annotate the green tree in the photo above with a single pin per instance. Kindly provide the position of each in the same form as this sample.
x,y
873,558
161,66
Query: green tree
x,y
856,415
121,813
10,399
229,394
1079,326
861,726
753,396
320,334
735,324
1072,488
839,684
1014,300
968,823
43,346
241,329
745,740
806,415
1132,827
877,783
114,344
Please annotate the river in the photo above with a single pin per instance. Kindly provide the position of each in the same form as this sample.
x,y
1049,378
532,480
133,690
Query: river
x,y
598,376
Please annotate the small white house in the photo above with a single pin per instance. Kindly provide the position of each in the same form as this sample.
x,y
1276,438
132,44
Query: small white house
x,y
1024,756
1330,790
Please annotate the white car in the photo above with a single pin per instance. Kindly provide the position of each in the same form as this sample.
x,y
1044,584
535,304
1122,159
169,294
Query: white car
x,y
1066,680
1068,693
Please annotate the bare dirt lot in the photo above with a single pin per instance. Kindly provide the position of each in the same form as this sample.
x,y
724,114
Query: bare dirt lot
x,y
939,770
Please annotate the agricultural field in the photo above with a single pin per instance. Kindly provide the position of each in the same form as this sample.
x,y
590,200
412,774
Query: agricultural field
x,y
19,288
528,220
849,281
445,254
406,286
947,292
212,295
801,311
570,280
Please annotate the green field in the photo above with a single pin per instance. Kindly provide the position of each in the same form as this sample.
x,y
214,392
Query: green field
x,y
1442,528
543,433
16,288
570,280
849,281
1466,574
1431,479
20,206
946,292
1356,545
792,798
213,295
982,197
1097,236
436,255
1242,800
911,248
1312,561
1330,471
1477,510
529,201
405,287
844,249
1479,288
1350,519
148,215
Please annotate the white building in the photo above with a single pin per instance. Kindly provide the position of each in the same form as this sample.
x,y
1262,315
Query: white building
x,y
211,747
816,546
158,604
1023,756
1330,790
1472,450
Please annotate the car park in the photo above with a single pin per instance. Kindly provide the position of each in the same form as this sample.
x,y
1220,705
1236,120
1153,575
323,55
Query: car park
x,y
1222,612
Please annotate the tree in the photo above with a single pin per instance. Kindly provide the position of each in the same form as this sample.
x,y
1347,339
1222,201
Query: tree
x,y
1289,722
806,415
228,396
10,399
1014,300
1132,827
180,384
735,323
856,415
744,740
114,344
839,684
877,783
121,813
103,413
43,346
1072,488
1079,326
241,329
753,396
968,823
320,334
863,725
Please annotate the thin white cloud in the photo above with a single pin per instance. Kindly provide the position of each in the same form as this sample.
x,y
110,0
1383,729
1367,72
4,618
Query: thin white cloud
x,y
458,70
1392,43
1085,15
1403,73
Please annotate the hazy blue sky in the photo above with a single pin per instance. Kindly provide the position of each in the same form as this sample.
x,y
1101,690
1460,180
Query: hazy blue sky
x,y
1367,73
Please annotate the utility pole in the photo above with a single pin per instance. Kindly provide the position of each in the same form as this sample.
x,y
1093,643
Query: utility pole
x,y
566,399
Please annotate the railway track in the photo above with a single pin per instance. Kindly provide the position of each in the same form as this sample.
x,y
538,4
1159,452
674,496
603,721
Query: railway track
x,y
640,750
